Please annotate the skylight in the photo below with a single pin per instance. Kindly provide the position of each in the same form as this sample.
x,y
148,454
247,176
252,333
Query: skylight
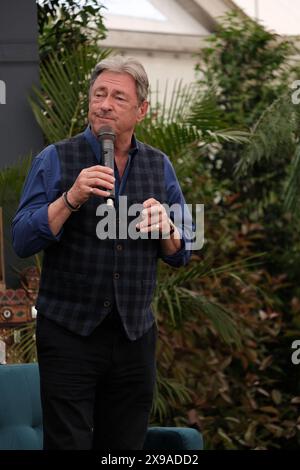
x,y
135,8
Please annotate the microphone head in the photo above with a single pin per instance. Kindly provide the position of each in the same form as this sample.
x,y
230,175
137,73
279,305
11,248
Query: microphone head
x,y
106,133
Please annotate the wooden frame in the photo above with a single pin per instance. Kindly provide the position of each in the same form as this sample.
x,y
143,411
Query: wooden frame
x,y
2,277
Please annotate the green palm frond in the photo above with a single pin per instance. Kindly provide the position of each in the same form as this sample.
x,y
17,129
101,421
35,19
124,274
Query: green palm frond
x,y
186,121
173,106
168,393
205,268
182,303
275,138
60,105
272,137
12,180
221,318
24,348
176,138
227,135
204,112
234,267
173,138
175,296
164,127
292,189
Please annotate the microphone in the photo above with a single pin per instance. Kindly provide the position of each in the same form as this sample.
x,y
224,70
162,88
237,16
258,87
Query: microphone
x,y
106,137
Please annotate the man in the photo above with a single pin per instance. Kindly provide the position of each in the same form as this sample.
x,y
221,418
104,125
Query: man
x,y
96,334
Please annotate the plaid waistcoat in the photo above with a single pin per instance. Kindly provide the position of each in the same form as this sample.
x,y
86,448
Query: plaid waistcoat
x,y
83,277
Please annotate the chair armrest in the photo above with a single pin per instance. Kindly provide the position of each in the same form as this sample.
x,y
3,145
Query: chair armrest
x,y
173,438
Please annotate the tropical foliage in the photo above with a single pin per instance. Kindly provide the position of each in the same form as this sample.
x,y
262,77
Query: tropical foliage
x,y
60,105
247,65
252,71
68,23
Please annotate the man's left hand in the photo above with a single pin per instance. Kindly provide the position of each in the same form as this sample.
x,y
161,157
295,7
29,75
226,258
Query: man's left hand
x,y
154,217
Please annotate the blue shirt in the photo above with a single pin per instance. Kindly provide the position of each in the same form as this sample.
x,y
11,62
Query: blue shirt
x,y
30,227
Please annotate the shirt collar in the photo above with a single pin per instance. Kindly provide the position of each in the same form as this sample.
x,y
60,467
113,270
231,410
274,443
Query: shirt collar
x,y
92,140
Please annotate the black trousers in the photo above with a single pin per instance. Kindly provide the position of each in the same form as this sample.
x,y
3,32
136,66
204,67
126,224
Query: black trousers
x,y
96,391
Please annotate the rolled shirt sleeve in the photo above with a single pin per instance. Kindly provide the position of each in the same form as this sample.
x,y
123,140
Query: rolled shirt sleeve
x,y
185,227
30,227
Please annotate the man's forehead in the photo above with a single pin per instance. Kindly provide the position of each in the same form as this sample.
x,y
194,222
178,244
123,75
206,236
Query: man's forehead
x,y
115,78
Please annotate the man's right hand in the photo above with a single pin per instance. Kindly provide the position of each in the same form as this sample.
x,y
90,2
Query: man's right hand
x,y
88,183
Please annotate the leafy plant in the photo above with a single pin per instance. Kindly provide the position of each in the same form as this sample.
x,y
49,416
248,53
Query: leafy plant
x,y
60,105
248,66
65,24
23,348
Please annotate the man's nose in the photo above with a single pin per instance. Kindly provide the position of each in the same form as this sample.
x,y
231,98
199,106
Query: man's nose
x,y
106,103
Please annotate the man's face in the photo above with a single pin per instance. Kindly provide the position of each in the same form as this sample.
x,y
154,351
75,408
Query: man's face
x,y
113,102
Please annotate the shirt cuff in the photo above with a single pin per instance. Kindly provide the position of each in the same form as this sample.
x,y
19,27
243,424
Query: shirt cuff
x,y
181,256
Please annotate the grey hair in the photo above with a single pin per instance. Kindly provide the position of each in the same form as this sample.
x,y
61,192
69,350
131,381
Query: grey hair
x,y
128,65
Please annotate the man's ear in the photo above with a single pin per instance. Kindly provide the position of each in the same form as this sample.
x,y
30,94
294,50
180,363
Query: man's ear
x,y
142,111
